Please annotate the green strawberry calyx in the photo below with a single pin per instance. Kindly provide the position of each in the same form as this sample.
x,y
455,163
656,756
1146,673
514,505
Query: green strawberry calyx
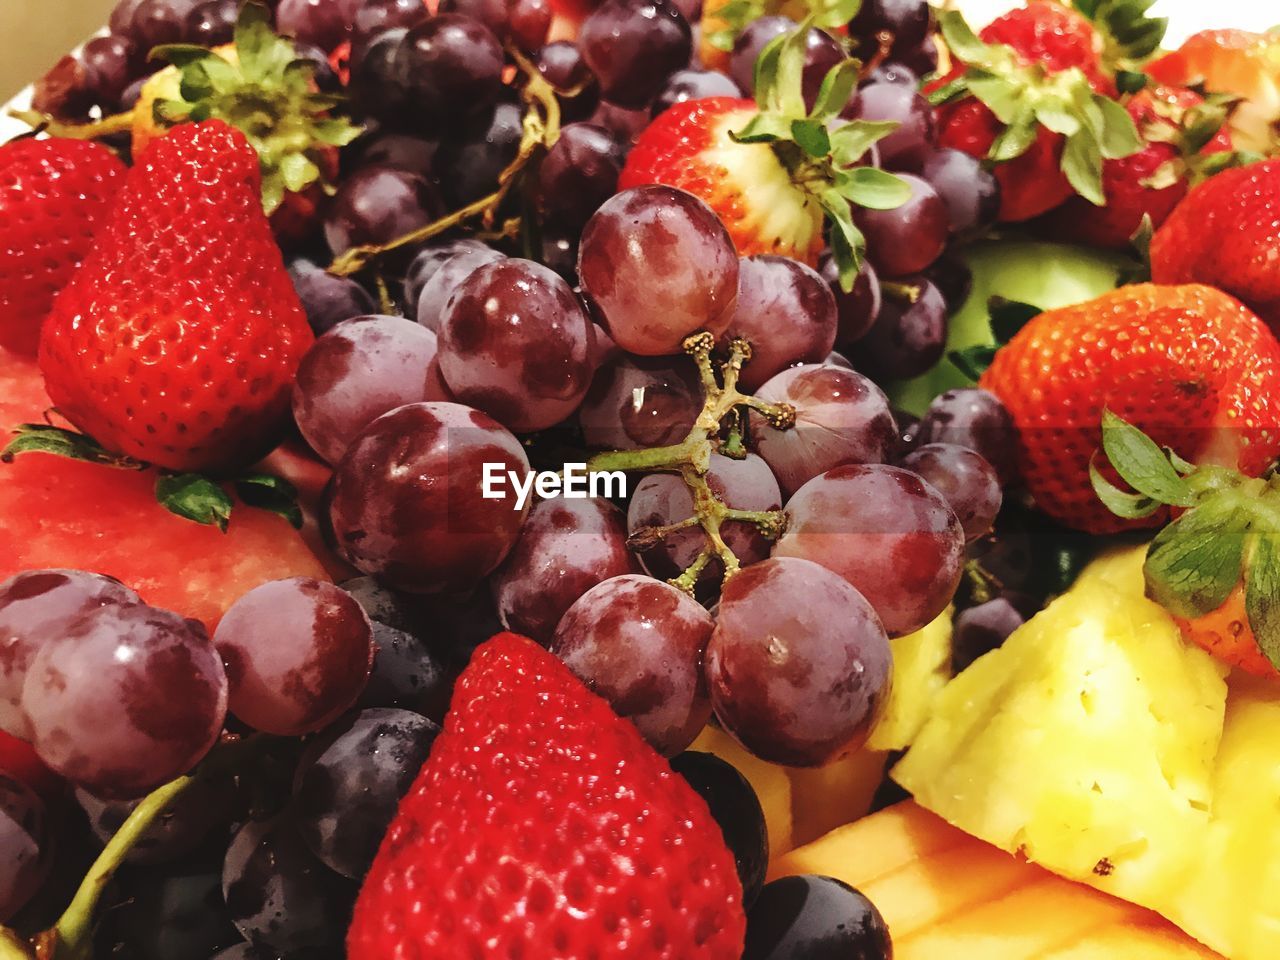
x,y
1026,97
823,155
1227,532
1130,35
269,94
736,15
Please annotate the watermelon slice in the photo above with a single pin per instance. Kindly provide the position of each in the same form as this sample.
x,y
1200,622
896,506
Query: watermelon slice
x,y
56,512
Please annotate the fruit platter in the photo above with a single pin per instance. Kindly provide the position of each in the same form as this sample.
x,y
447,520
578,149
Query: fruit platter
x,y
643,480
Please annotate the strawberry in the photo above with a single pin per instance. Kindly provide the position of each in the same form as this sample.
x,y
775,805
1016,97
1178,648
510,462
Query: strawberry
x,y
53,195
768,168
1030,96
178,340
544,826
1180,130
1189,365
1226,233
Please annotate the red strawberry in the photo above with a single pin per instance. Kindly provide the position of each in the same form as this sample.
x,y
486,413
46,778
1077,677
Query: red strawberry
x,y
1179,130
1053,35
53,195
1227,233
178,340
544,826
1190,366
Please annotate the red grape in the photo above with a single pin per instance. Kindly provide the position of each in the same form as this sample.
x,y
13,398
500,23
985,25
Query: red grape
x,y
908,238
909,335
452,64
906,147
693,83
632,46
975,419
375,205
324,23
640,402
970,191
578,174
967,481
440,282
328,300
857,310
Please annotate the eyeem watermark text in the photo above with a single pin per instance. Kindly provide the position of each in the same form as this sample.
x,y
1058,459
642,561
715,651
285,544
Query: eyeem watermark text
x,y
575,482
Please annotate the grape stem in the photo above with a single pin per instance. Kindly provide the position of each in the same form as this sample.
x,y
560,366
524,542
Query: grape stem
x,y
541,130
722,413
116,123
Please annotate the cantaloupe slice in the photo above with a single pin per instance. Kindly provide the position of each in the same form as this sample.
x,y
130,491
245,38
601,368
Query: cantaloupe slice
x,y
770,782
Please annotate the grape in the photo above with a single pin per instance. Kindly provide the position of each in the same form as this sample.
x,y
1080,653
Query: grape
x,y
660,499
906,20
346,797
799,667
693,83
446,278
212,23
37,607
908,238
122,14
375,205
834,359
479,150
659,265
786,311
325,23
298,655
640,402
970,192
246,951
638,643
400,150
560,253
817,918
578,174
841,417
921,59
278,893
323,75
908,337
624,123
516,344
967,481
461,622
375,17
379,85
24,853
737,811
184,824
108,62
565,549
355,373
327,300
887,532
166,914
906,147
408,504
979,630
152,23
888,72
975,419
755,36
908,433
451,63
561,63
526,22
632,46
856,310
426,264
129,698
96,76
953,278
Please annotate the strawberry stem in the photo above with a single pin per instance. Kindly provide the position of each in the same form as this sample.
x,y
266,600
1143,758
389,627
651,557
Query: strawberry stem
x,y
116,123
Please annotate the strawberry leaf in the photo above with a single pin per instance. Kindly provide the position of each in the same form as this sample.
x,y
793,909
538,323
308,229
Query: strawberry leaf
x,y
1143,464
1128,33
1082,164
847,241
851,141
1194,563
1131,81
269,492
1118,135
973,361
1015,140
1130,506
193,497
812,137
763,128
961,40
874,188
46,438
1262,593
1009,316
837,87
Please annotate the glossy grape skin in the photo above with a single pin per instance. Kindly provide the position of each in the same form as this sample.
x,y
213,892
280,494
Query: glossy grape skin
x,y
856,310
967,481
906,147
815,918
798,667
970,192
375,205
187,820
446,278
451,63
908,238
24,845
151,23
755,36
130,698
736,809
640,402
212,23
379,85
980,629
298,654
664,498
624,123
632,47
36,608
659,265
327,300
907,20
108,65
426,263
278,893
375,17
889,72
561,63
973,418
908,338
346,796
887,532
167,913
578,174
324,23
786,311
407,498
693,83
841,417
404,151
525,22
478,151
565,549
953,278
516,344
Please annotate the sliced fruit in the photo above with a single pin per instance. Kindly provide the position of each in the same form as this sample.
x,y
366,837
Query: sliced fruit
x,y
769,781
824,798
921,669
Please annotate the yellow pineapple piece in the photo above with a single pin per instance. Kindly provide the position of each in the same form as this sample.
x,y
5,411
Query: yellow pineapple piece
x,y
921,669
770,782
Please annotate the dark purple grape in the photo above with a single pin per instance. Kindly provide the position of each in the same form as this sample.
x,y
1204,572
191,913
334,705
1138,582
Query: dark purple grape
x,y
153,22
400,150
965,479
324,23
212,23
754,37
407,674
693,83
890,73
25,850
639,643
953,278
561,63
375,205
979,630
375,17
624,123
969,190
906,147
95,76
975,419
108,66
921,59
451,64
446,278
640,402
798,666
908,238
121,19
578,174
166,913
186,822
856,310
379,84
909,335
478,151
907,22
815,918
526,22
736,809
327,300
692,9
633,46
322,72
427,263
346,795
560,253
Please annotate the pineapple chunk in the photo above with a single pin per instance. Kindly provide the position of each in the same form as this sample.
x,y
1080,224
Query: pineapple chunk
x,y
770,782
921,669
